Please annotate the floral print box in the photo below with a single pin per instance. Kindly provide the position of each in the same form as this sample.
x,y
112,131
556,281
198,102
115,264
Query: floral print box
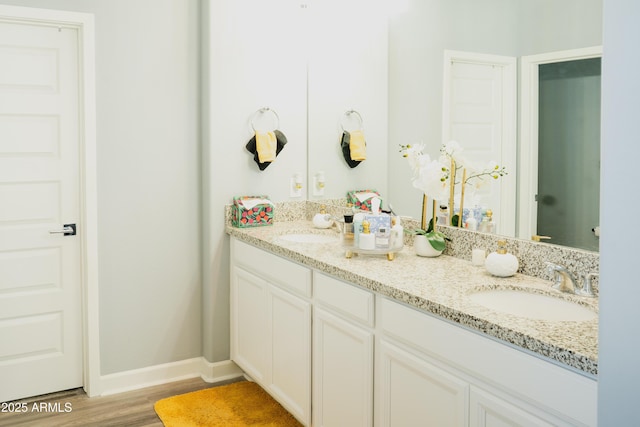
x,y
251,211
361,199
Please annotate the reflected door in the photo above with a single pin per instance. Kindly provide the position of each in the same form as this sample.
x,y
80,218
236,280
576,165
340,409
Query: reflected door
x,y
479,95
568,196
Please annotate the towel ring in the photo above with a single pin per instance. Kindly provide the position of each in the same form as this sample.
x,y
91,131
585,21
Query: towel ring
x,y
261,112
348,115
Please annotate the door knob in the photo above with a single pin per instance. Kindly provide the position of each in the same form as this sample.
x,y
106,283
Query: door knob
x,y
67,230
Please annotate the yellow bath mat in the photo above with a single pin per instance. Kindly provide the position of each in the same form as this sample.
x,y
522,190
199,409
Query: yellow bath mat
x,y
239,404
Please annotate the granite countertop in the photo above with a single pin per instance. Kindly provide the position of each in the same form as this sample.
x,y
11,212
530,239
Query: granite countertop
x,y
441,286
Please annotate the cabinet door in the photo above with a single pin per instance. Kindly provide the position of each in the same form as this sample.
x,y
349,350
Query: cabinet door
x,y
410,391
249,328
488,410
290,325
342,372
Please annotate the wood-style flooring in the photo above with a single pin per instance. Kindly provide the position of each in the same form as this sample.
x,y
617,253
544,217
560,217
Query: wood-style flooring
x,y
128,409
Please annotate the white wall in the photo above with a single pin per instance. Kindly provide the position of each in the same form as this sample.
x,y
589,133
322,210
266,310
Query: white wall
x,y
250,60
148,178
619,339
259,53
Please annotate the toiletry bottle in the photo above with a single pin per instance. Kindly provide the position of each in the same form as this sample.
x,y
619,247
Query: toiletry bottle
x,y
322,219
500,263
486,225
357,228
397,234
382,238
471,223
491,226
443,215
347,232
367,240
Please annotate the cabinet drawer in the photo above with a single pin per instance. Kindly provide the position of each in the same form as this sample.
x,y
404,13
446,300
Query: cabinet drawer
x,y
272,268
346,299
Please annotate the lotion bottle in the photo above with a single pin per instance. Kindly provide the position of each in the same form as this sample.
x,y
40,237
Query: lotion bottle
x,y
357,228
367,241
500,263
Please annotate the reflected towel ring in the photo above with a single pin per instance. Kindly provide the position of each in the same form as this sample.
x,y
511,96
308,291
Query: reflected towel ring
x,y
348,115
262,111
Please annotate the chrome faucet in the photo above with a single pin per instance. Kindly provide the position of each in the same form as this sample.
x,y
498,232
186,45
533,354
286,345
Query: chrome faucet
x,y
565,281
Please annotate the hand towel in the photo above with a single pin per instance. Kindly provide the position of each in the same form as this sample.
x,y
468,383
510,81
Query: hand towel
x,y
252,148
266,144
357,146
346,151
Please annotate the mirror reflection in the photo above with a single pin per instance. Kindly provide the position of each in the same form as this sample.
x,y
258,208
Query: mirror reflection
x,y
420,35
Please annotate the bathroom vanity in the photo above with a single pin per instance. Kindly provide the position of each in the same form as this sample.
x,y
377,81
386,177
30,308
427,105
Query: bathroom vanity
x,y
367,341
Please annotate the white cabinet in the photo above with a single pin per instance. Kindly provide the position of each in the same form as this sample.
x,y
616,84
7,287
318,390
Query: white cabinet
x,y
489,410
342,354
249,323
289,318
422,361
410,391
271,325
363,359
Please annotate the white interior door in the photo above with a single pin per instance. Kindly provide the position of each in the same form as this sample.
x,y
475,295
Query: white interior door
x,y
40,272
479,112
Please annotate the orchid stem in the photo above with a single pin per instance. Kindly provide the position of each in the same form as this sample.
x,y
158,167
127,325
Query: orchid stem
x,y
424,212
464,177
452,180
433,218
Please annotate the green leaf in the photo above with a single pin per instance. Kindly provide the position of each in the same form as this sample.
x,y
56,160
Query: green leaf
x,y
437,240
430,226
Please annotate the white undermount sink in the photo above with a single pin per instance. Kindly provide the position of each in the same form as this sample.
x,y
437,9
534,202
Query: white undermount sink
x,y
532,305
310,238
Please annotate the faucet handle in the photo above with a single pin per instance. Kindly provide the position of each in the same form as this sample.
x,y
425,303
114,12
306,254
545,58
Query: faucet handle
x,y
587,289
553,268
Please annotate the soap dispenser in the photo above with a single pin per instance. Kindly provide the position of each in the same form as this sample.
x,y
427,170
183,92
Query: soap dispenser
x,y
500,263
367,240
322,219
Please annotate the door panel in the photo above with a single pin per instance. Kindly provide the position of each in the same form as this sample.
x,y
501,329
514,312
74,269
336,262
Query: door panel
x,y
40,273
479,113
569,152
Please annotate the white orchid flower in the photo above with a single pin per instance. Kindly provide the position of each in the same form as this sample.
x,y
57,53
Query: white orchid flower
x,y
431,180
414,154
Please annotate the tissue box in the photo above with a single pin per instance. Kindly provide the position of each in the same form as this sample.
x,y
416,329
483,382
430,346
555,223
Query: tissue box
x,y
251,211
361,199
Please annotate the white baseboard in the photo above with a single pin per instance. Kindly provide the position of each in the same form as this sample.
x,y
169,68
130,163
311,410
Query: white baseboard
x,y
169,372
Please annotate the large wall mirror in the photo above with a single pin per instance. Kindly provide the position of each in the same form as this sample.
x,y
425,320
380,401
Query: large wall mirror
x,y
419,34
